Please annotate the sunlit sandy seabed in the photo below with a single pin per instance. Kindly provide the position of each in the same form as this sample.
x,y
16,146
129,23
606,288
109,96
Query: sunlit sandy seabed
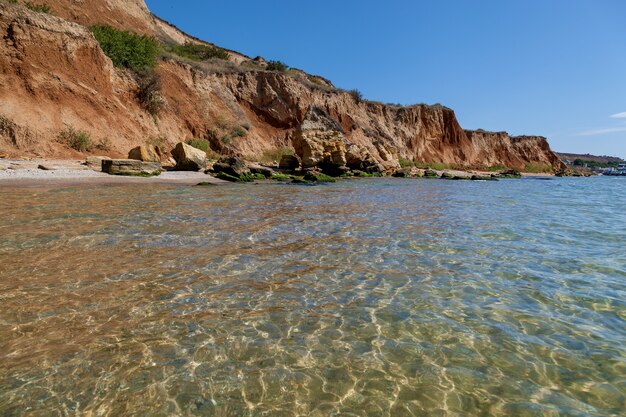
x,y
363,298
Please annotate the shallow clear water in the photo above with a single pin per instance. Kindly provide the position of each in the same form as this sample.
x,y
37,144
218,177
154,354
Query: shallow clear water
x,y
380,297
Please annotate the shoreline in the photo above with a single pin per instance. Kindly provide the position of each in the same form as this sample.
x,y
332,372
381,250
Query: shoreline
x,y
54,172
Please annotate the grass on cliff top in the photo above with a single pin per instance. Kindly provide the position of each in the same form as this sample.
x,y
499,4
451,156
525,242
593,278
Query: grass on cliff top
x,y
197,52
127,49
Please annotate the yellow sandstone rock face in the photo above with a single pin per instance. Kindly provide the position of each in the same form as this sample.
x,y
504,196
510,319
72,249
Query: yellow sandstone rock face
x,y
146,153
320,140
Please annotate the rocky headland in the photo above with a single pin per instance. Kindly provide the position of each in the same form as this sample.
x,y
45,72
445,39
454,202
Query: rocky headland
x,y
60,91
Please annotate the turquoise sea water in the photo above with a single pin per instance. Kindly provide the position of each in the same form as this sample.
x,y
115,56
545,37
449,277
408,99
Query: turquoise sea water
x,y
382,297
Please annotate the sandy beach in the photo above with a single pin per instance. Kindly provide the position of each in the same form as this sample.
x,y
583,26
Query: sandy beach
x,y
40,172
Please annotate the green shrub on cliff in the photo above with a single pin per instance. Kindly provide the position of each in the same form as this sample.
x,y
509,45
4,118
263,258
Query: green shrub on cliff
x,y
277,66
238,132
40,8
201,144
149,91
356,95
76,139
126,49
198,52
274,155
437,166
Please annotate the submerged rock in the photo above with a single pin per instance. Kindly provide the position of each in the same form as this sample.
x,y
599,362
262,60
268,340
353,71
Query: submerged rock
x,y
483,178
131,167
189,158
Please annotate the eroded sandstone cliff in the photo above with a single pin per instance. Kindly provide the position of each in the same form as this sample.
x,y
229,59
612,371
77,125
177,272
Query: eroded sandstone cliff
x,y
53,74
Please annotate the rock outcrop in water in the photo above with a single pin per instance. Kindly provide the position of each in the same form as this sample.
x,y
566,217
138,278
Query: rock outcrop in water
x,y
53,74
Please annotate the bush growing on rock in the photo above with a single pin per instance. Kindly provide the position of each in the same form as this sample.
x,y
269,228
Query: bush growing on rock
x,y
198,52
126,49
201,144
238,132
277,66
76,139
356,95
104,144
149,91
275,155
40,8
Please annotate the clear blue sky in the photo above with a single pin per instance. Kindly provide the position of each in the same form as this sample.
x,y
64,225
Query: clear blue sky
x,y
555,68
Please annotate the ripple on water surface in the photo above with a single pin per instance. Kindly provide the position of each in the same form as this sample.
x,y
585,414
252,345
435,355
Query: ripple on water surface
x,y
365,298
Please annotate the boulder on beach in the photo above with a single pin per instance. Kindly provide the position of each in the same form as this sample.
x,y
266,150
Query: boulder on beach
x,y
316,176
95,162
260,169
289,162
409,172
231,165
131,167
360,159
189,158
145,153
320,143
